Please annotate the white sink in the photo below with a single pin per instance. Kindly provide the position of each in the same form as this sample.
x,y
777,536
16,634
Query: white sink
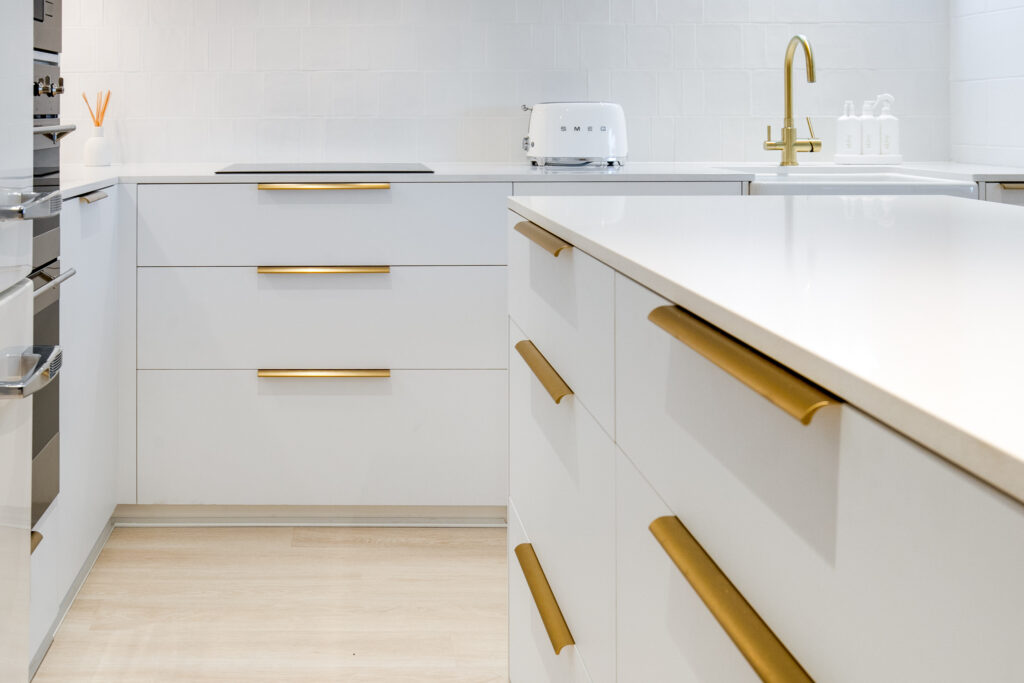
x,y
832,179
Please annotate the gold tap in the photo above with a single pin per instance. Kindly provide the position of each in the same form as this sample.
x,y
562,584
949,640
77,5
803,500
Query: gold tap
x,y
789,145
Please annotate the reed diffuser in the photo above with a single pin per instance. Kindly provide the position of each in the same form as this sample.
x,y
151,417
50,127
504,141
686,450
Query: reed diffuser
x,y
97,148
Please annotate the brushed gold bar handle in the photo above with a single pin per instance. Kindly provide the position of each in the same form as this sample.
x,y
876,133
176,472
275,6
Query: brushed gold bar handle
x,y
272,373
790,392
1012,186
543,371
754,639
36,539
553,244
93,197
544,598
321,270
323,186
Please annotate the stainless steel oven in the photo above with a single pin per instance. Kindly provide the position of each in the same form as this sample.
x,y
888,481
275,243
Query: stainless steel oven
x,y
47,15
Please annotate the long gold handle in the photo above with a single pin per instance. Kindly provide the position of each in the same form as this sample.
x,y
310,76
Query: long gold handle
x,y
322,373
36,539
553,244
321,270
542,369
790,392
323,186
758,644
1012,186
544,598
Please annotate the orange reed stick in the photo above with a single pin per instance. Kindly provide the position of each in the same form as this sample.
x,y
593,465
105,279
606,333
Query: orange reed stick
x,y
91,115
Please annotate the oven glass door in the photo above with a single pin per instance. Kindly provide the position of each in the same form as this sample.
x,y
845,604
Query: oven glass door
x,y
46,404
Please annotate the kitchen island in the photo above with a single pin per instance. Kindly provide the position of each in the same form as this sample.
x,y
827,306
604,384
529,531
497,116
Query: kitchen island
x,y
869,512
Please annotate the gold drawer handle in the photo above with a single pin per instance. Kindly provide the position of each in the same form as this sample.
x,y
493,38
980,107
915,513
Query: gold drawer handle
x,y
321,270
37,538
542,369
790,392
550,614
1012,186
322,373
758,644
93,197
323,186
553,244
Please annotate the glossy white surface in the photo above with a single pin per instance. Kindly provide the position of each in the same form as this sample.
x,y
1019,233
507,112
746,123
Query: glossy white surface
x,y
907,307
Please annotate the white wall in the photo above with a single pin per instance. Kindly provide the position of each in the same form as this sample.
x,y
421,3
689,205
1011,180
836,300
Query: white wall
x,y
441,80
987,81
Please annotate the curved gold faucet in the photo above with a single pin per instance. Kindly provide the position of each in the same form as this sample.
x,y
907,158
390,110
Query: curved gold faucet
x,y
790,144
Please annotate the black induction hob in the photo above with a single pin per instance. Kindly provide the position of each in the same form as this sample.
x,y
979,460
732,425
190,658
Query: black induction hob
x,y
326,168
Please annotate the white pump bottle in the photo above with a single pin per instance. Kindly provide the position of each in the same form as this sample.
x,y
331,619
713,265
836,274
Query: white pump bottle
x,y
869,129
888,127
848,131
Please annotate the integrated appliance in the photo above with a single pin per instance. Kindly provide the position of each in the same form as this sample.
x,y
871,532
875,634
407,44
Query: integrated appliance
x,y
327,168
47,88
576,134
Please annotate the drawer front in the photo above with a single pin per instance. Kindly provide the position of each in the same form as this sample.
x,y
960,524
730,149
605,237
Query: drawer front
x,y
241,225
562,482
235,318
419,437
628,188
531,656
1005,193
565,304
665,632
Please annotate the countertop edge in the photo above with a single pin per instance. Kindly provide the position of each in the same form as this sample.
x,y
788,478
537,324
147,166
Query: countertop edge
x,y
994,466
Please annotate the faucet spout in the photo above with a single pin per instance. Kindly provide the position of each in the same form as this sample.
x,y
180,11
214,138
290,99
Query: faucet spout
x,y
796,41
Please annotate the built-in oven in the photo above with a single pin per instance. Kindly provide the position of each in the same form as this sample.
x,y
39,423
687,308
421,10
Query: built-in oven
x,y
47,25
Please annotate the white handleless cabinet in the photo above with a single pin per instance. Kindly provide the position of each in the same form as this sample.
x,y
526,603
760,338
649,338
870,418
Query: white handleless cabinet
x,y
626,188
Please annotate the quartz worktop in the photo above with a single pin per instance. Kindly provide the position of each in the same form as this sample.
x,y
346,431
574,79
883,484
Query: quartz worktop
x,y
76,180
908,308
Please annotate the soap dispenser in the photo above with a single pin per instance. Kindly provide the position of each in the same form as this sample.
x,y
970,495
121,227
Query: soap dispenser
x,y
848,131
888,127
869,129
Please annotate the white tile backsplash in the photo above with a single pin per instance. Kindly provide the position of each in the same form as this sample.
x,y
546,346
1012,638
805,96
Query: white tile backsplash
x,y
987,81
443,80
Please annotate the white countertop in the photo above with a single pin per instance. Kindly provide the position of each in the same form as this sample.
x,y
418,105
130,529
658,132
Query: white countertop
x,y
76,180
910,308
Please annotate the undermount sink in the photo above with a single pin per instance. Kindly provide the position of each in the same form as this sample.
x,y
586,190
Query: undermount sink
x,y
833,179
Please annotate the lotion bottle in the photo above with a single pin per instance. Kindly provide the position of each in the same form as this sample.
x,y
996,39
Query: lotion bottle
x,y
888,127
848,131
869,129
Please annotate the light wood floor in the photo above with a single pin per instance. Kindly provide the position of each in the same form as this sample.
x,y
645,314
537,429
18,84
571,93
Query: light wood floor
x,y
288,604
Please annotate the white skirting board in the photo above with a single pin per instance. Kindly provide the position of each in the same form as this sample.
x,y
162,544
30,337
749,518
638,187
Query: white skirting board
x,y
65,604
310,515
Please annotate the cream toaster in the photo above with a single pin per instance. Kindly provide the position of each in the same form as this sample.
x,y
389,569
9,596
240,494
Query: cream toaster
x,y
576,134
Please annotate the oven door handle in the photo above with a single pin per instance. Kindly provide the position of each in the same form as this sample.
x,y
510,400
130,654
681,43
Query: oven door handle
x,y
28,206
55,282
46,366
55,133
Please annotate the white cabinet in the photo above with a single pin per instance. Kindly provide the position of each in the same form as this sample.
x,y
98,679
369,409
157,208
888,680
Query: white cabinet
x,y
599,187
418,437
88,405
1005,193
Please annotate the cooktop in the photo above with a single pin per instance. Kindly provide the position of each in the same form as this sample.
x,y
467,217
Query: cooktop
x,y
326,168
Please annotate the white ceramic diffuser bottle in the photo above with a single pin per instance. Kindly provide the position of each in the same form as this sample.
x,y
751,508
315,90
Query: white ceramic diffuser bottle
x,y
97,150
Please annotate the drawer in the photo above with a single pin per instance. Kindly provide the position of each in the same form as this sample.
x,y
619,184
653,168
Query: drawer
x,y
566,305
665,632
562,482
419,437
628,188
241,225
1005,193
237,318
531,655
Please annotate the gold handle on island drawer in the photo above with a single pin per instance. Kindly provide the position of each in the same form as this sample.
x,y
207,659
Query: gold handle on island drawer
x,y
543,371
755,640
790,392
36,539
93,197
1012,186
553,244
321,270
323,186
322,373
544,598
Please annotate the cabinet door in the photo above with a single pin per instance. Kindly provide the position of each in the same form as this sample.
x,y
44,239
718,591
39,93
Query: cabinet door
x,y
88,395
596,188
1005,193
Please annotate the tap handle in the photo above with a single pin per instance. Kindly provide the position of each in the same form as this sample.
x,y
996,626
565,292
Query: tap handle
x,y
769,138
809,126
